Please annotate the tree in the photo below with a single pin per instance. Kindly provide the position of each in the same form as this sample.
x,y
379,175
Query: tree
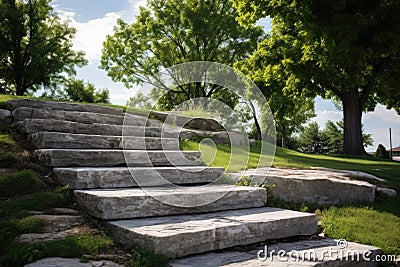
x,y
381,152
290,109
335,132
344,49
35,46
312,140
79,91
169,32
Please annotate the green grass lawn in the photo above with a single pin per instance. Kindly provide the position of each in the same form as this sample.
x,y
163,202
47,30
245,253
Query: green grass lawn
x,y
376,224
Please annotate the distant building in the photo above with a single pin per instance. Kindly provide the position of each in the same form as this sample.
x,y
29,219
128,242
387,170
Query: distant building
x,y
396,153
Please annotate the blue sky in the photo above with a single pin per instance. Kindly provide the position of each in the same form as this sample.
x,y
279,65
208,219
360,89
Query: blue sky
x,y
95,19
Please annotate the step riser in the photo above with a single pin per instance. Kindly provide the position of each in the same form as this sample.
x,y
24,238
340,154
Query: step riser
x,y
221,231
105,158
18,103
61,140
31,126
122,177
140,205
23,113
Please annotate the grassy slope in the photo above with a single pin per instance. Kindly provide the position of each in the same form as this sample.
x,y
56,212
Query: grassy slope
x,y
375,223
389,170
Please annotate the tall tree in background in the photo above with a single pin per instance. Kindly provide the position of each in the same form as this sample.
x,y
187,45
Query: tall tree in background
x,y
335,131
312,140
79,91
170,32
344,49
291,109
35,46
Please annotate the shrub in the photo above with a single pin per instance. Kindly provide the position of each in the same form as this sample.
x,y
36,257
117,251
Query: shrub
x,y
381,152
19,183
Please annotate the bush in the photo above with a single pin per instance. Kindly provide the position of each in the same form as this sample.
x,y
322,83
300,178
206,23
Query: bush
x,y
71,247
20,183
38,201
381,152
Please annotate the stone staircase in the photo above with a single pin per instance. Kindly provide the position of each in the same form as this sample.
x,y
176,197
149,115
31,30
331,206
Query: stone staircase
x,y
84,146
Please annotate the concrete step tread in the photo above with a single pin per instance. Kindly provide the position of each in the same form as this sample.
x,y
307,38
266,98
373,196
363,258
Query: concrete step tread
x,y
127,203
181,235
298,254
117,157
89,141
52,105
116,177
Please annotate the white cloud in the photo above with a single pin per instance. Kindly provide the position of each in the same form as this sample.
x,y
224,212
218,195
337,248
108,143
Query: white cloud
x,y
324,115
90,35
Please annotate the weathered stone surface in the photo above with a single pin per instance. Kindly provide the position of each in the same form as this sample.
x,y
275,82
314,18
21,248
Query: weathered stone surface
x,y
4,114
5,117
30,103
88,178
136,202
33,238
177,236
58,223
313,186
387,191
205,124
103,158
75,116
221,137
85,141
30,126
67,262
351,174
301,253
62,211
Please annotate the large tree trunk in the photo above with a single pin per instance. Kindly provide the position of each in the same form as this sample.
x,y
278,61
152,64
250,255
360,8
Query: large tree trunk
x,y
282,130
352,112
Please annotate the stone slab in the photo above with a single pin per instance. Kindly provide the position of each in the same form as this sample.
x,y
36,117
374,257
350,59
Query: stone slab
x,y
5,117
4,114
24,113
105,158
30,103
205,124
117,177
30,126
302,253
86,141
294,185
387,191
177,236
161,201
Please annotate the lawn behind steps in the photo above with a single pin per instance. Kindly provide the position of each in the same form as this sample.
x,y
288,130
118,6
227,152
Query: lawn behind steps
x,y
376,224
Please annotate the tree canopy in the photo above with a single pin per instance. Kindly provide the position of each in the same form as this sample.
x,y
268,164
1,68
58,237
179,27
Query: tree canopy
x,y
349,50
35,46
169,32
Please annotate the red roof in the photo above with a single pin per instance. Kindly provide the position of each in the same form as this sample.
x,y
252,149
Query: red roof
x,y
395,149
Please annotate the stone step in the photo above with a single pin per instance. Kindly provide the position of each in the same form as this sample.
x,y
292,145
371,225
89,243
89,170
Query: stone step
x,y
24,113
300,253
42,104
177,236
117,177
105,158
30,126
161,201
86,141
